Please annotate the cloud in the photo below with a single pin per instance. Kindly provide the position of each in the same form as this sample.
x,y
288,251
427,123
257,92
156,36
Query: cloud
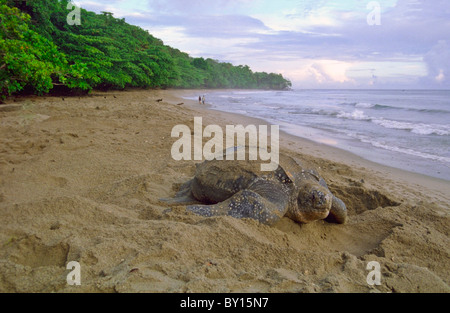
x,y
440,77
399,48
438,64
331,39
329,71
224,37
197,7
205,26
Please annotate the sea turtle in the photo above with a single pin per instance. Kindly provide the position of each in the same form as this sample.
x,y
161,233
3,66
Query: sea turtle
x,y
241,190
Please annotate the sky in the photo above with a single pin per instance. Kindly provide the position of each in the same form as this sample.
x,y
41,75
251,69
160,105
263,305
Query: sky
x,y
381,44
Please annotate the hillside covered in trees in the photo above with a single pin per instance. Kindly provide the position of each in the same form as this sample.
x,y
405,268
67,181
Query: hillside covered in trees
x,y
40,51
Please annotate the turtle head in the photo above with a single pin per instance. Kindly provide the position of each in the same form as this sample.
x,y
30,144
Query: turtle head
x,y
313,203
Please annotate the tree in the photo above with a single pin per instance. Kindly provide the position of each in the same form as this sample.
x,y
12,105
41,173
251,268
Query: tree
x,y
26,58
40,49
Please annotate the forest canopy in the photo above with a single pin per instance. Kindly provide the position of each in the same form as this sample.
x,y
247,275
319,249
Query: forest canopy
x,y
40,50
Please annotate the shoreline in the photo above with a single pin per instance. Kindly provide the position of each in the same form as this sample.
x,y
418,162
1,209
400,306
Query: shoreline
x,y
81,180
322,150
369,148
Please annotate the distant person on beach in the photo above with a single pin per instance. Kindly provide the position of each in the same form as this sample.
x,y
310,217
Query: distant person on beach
x,y
199,99
203,99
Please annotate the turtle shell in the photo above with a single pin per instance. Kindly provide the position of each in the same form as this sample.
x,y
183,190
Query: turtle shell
x,y
217,180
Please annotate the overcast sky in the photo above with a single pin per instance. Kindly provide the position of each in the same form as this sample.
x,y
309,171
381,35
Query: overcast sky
x,y
314,43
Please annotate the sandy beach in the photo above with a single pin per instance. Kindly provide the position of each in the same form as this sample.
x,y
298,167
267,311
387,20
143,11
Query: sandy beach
x,y
81,179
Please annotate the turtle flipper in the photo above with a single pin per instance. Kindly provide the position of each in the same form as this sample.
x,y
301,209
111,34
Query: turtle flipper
x,y
265,201
184,196
338,212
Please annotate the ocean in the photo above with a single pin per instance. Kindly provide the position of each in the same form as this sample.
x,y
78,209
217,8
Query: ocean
x,y
406,129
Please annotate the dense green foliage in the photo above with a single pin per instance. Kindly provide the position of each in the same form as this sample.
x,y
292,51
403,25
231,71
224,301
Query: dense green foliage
x,y
26,58
39,49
